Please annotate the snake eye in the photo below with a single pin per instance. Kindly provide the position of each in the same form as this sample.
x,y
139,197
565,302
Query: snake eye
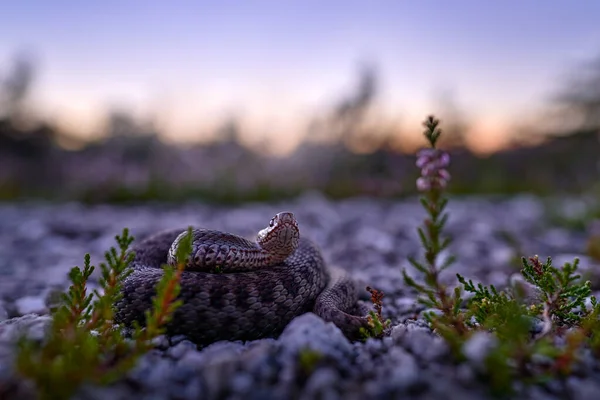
x,y
272,222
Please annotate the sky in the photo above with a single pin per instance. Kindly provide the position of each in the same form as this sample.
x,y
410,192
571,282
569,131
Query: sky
x,y
275,64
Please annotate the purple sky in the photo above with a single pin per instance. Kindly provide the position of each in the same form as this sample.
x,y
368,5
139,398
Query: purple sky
x,y
274,63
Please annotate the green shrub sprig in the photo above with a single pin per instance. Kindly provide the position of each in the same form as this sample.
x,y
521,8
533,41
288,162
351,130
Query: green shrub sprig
x,y
558,302
83,345
433,294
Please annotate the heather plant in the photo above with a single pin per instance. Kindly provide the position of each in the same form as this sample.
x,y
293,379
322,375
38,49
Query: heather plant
x,y
556,297
434,179
377,325
83,345
558,302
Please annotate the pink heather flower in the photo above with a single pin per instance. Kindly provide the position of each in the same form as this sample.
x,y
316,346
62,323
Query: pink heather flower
x,y
425,156
444,159
433,173
427,152
442,183
434,156
428,170
423,184
444,174
422,161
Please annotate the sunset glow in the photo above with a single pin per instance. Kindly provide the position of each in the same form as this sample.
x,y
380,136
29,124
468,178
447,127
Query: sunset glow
x,y
189,66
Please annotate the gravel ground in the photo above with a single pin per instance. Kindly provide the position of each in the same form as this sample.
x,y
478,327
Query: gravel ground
x,y
39,243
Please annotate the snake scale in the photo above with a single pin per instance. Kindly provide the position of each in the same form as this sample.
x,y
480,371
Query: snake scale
x,y
258,289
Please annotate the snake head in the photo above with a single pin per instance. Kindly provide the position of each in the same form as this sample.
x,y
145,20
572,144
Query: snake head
x,y
281,237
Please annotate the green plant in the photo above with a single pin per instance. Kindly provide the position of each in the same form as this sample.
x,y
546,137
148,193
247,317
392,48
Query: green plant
x,y
83,344
376,324
433,294
308,359
557,298
559,302
561,291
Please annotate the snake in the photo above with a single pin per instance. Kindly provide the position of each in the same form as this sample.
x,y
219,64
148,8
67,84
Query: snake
x,y
233,288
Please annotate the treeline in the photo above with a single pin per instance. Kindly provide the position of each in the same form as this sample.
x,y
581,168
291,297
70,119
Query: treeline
x,y
130,162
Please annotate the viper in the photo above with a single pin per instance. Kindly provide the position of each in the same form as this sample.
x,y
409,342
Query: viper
x,y
233,288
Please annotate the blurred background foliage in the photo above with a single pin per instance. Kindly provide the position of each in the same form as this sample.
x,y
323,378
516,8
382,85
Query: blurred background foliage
x,y
348,150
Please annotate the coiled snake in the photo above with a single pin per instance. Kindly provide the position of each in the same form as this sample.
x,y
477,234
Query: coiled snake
x,y
258,289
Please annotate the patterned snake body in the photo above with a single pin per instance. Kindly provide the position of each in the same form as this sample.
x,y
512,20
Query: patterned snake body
x,y
233,253
259,291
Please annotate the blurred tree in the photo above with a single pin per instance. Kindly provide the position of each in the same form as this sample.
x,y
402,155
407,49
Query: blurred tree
x,y
347,121
16,85
579,97
356,104
229,131
453,119
349,115
27,146
135,140
120,123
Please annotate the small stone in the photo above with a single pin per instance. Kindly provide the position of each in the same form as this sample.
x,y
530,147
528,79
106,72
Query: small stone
x,y
221,361
582,389
420,341
3,312
501,255
557,238
159,374
465,374
375,239
241,383
193,390
192,359
31,305
31,325
176,339
560,259
406,305
261,358
95,392
554,386
400,331
403,371
388,342
182,374
524,288
535,392
373,345
310,331
478,347
320,382
161,342
180,349
588,304
428,347
141,370
497,278
537,325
